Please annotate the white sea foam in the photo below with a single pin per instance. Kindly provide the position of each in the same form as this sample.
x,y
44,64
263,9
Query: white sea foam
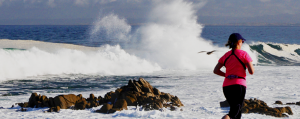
x,y
199,91
108,60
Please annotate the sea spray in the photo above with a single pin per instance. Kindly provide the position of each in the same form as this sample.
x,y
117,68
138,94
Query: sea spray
x,y
172,39
108,60
110,29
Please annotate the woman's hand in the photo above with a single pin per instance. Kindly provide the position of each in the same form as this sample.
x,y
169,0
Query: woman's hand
x,y
218,71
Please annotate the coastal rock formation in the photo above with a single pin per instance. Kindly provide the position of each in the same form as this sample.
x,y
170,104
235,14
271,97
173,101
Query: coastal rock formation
x,y
260,107
135,93
138,93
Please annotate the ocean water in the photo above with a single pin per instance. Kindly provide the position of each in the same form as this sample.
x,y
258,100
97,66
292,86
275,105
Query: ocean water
x,y
98,58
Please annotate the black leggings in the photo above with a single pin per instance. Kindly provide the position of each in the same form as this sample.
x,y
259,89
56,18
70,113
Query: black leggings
x,y
235,95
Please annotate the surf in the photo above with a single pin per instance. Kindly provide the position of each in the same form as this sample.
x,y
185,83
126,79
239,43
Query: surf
x,y
277,53
170,40
35,58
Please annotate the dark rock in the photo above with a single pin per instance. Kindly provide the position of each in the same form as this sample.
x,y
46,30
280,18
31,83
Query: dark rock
x,y
100,100
173,108
130,99
107,96
65,101
149,94
156,91
135,93
51,102
176,101
92,98
93,104
130,83
146,89
158,104
288,110
33,100
25,104
81,104
166,96
167,105
137,88
278,102
45,101
120,104
105,108
79,96
54,109
291,103
145,84
258,106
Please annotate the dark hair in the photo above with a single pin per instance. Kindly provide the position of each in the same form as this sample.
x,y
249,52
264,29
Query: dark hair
x,y
233,40
231,44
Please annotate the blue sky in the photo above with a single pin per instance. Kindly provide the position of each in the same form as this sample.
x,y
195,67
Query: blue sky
x,y
64,12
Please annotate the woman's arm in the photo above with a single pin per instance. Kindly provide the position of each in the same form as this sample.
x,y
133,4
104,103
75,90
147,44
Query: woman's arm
x,y
218,71
250,68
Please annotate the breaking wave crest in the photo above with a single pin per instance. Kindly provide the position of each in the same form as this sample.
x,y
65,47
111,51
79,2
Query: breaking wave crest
x,y
277,53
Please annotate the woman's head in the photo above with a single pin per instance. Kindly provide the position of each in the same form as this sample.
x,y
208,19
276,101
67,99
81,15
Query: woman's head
x,y
234,40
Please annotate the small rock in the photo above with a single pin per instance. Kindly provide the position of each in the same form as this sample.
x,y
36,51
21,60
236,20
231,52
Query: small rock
x,y
105,108
173,108
278,102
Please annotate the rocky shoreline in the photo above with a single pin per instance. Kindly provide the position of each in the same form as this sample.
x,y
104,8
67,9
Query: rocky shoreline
x,y
139,93
136,93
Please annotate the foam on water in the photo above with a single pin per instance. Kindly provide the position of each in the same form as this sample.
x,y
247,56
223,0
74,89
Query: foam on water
x,y
107,60
199,91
